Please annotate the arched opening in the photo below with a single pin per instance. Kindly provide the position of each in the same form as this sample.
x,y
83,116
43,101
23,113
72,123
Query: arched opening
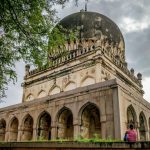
x,y
27,128
13,130
90,121
142,126
131,117
44,127
2,129
65,124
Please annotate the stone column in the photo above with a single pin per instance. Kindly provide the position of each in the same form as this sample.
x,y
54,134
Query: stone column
x,y
53,131
103,127
6,136
117,114
19,134
76,132
35,134
137,129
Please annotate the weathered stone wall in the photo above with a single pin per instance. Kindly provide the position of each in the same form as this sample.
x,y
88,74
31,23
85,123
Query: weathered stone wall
x,y
132,106
91,67
80,112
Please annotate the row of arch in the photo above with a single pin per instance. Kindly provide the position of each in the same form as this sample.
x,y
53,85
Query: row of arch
x,y
89,117
141,126
88,80
90,124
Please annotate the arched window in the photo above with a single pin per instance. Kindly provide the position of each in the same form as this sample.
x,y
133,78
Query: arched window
x,y
2,129
44,127
27,129
142,128
90,121
65,124
13,130
131,117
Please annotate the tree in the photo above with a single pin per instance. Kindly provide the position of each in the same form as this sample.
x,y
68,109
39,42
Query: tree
x,y
25,28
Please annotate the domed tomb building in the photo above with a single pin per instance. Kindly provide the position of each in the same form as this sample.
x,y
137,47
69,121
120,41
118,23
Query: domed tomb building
x,y
86,93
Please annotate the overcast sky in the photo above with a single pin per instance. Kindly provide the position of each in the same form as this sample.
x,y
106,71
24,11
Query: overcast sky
x,y
133,19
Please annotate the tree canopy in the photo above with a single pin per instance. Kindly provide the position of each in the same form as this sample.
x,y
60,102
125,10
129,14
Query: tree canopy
x,y
25,28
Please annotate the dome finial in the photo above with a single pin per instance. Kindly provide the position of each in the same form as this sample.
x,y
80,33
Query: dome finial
x,y
86,1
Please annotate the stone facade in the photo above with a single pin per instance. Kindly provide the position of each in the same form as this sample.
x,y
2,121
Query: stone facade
x,y
88,92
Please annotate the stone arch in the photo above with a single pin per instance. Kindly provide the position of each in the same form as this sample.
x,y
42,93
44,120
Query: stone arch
x,y
13,134
54,90
70,86
41,94
88,80
131,117
30,97
65,123
2,129
89,116
27,128
142,126
44,126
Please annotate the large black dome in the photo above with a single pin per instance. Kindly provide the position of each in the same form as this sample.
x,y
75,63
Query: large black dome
x,y
93,25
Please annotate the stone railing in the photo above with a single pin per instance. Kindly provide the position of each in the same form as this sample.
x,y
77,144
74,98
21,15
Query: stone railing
x,y
74,54
121,65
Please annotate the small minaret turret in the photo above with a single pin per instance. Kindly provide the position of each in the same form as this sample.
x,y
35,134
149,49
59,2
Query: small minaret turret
x,y
132,71
86,1
139,76
27,69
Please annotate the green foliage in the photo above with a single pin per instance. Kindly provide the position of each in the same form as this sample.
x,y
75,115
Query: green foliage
x,y
97,138
25,33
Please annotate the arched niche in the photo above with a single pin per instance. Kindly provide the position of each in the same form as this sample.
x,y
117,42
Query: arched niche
x,y
65,124
54,90
30,97
142,126
13,134
2,129
70,86
41,94
87,81
131,117
90,121
44,126
27,131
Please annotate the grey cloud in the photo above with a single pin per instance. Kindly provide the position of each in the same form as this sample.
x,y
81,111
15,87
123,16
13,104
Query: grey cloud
x,y
138,50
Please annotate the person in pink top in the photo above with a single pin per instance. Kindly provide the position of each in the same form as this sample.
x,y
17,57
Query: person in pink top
x,y
132,134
